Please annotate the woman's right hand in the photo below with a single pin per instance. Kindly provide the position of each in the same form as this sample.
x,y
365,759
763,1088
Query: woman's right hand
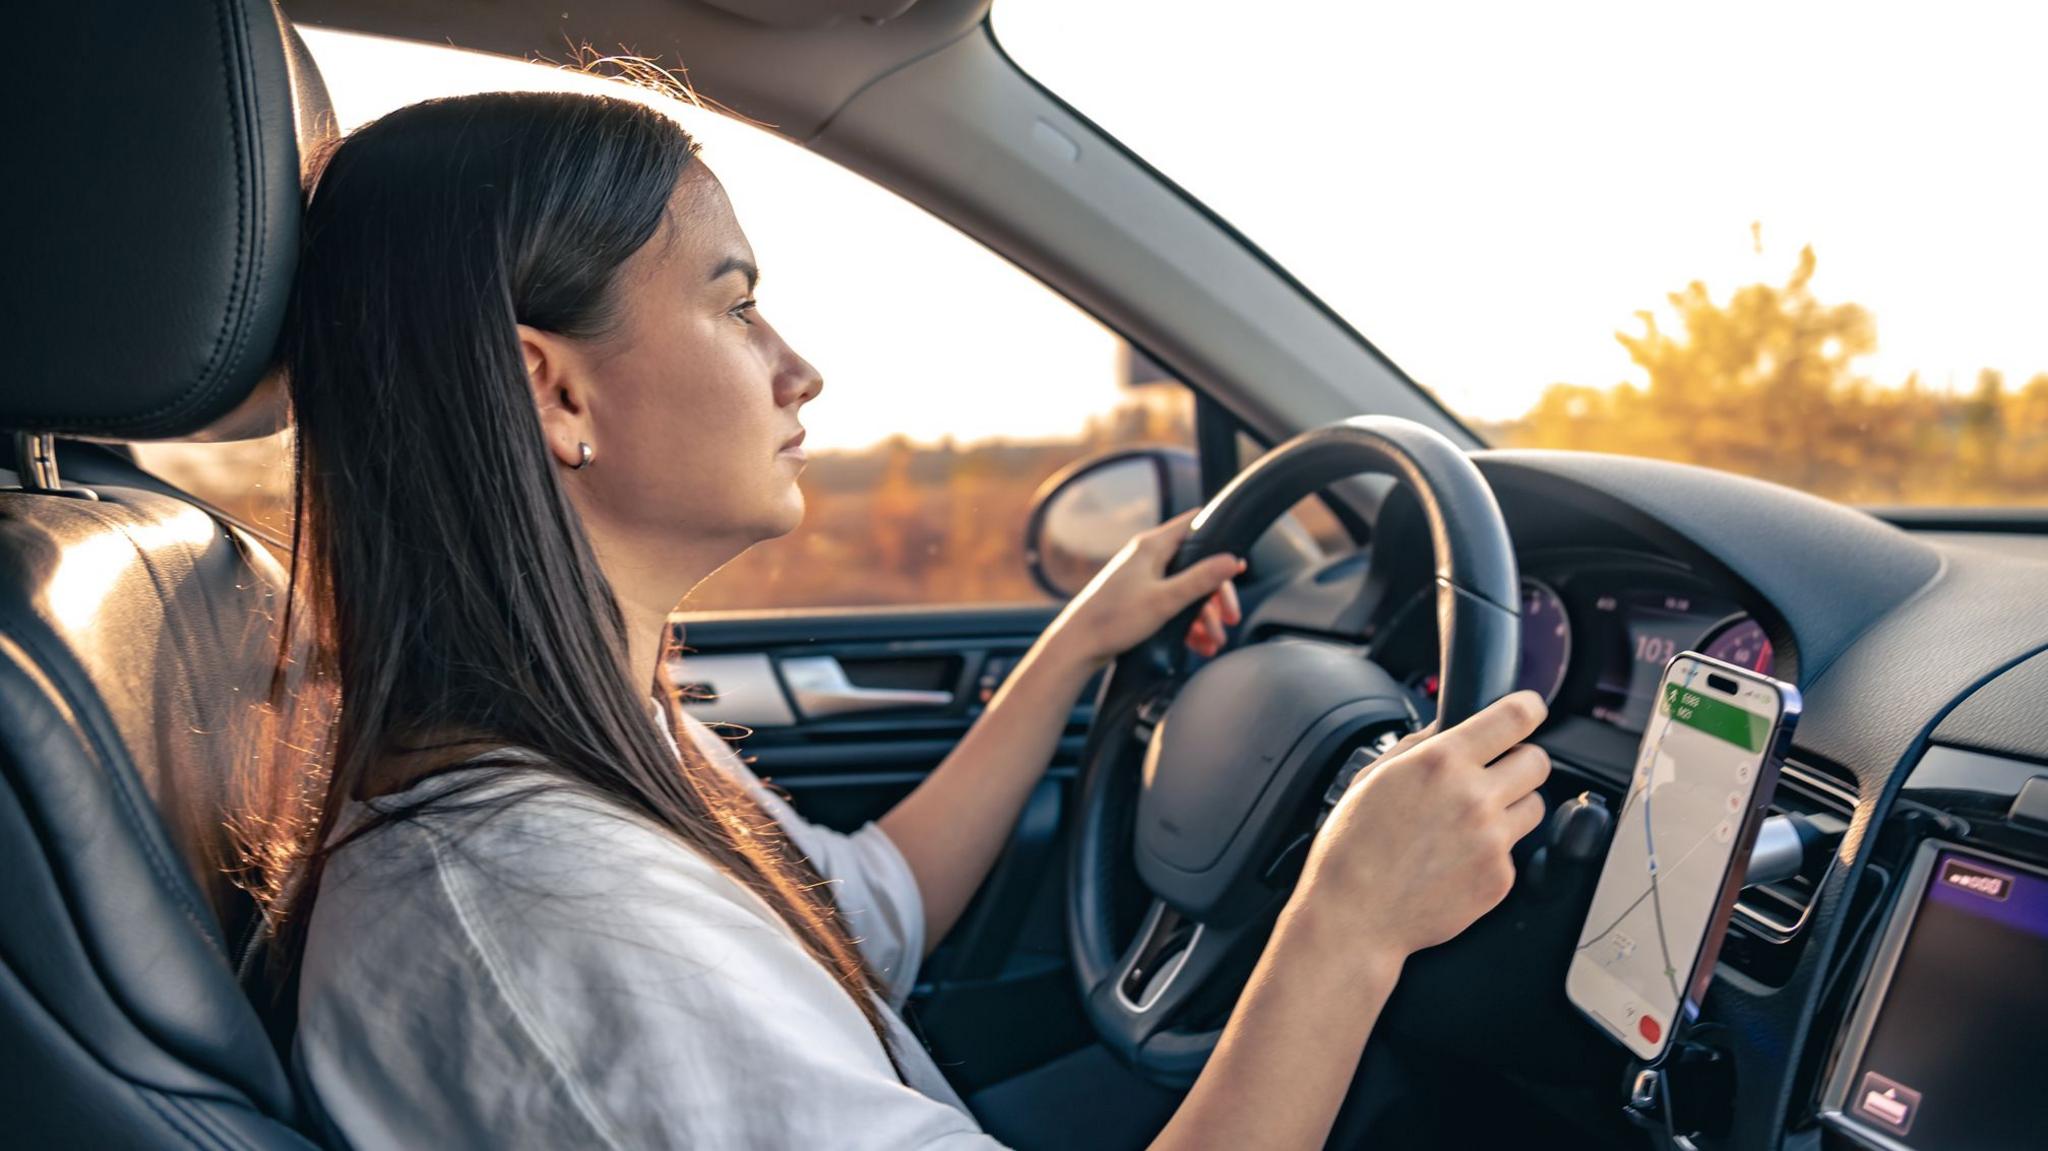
x,y
1414,852
1417,848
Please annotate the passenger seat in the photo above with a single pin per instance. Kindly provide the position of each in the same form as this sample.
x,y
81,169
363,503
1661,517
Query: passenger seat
x,y
152,208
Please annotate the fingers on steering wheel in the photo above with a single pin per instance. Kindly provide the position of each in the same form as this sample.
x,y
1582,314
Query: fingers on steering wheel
x,y
1524,816
1233,612
1519,773
1220,612
1203,579
1503,724
1408,741
1206,635
1168,536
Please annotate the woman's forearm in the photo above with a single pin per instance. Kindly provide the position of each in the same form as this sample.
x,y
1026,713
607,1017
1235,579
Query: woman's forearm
x,y
952,827
1288,1054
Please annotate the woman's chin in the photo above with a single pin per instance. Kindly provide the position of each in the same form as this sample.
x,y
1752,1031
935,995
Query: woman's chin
x,y
788,517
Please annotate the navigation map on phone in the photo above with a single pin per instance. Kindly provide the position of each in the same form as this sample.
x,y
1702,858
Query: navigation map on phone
x,y
1688,810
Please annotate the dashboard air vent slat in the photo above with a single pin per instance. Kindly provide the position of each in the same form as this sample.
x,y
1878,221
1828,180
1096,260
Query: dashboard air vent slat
x,y
1825,798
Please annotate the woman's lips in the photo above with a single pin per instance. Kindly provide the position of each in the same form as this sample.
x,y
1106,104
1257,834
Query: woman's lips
x,y
793,446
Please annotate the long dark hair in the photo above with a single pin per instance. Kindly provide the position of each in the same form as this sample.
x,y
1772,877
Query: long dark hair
x,y
447,586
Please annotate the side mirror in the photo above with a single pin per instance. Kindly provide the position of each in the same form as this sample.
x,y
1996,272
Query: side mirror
x,y
1090,509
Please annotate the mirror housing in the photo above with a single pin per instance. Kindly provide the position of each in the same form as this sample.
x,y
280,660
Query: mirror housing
x,y
1089,509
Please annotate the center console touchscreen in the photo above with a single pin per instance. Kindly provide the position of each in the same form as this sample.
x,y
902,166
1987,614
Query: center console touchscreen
x,y
1948,1048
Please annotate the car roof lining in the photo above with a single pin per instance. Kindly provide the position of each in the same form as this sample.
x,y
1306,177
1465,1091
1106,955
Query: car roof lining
x,y
789,76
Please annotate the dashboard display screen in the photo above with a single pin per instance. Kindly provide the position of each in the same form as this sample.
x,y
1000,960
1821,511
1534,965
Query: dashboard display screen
x,y
1651,627
1959,1046
1596,635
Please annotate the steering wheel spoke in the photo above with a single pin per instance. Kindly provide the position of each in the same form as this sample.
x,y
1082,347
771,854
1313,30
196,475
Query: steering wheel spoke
x,y
1148,995
1150,713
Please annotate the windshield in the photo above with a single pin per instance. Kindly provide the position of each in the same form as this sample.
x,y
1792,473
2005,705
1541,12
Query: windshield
x,y
1800,241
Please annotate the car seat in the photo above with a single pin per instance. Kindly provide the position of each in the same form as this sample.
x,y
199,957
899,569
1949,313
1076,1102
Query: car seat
x,y
152,207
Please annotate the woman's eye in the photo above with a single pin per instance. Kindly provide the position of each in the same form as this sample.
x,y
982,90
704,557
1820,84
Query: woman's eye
x,y
744,310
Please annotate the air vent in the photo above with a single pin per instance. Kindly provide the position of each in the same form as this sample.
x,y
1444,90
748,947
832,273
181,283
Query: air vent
x,y
1825,798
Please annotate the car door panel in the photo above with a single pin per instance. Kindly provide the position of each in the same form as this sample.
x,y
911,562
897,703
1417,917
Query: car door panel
x,y
846,712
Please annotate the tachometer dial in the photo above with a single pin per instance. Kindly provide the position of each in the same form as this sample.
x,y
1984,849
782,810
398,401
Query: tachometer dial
x,y
1546,641
1744,644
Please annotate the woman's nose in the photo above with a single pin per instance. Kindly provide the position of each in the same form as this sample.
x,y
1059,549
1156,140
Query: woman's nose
x,y
799,383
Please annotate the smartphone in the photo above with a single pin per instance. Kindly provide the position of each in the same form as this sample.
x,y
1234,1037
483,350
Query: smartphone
x,y
1703,778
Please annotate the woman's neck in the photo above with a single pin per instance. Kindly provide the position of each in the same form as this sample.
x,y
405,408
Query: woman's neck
x,y
646,636
648,583
646,587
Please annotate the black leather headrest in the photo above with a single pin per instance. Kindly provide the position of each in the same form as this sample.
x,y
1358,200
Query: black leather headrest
x,y
152,208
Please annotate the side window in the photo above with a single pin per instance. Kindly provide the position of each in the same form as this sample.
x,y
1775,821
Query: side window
x,y
1322,525
1313,515
250,480
955,383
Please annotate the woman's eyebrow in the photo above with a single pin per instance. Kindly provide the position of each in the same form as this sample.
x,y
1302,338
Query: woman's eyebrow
x,y
738,264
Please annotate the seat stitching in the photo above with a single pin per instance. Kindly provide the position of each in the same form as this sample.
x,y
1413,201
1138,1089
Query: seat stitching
x,y
30,656
28,992
158,1104
231,331
202,1120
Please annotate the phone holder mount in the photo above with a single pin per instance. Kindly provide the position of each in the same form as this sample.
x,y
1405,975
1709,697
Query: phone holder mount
x,y
1688,1093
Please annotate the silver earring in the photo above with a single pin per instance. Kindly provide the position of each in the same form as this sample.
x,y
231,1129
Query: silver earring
x,y
585,454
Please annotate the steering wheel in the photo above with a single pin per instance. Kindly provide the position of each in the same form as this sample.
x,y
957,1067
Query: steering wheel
x,y
1219,813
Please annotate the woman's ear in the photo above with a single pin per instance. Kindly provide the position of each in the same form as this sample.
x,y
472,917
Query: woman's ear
x,y
561,394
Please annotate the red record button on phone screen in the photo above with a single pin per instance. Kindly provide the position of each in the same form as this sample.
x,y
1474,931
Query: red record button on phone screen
x,y
1649,1029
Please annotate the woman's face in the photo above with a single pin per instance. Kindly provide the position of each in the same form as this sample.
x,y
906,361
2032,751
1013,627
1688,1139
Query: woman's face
x,y
691,402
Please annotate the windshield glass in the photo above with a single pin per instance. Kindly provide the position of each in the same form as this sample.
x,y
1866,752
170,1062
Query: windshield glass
x,y
1799,241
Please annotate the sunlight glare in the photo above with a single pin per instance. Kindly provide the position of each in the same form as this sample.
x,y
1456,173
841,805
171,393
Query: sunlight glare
x,y
92,568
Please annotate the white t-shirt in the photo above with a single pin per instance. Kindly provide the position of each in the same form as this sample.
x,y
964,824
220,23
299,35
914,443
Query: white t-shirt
x,y
559,973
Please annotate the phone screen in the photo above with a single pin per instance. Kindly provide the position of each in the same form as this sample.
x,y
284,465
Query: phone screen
x,y
1703,774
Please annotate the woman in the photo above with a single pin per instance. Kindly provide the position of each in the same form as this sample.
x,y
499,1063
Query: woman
x,y
536,403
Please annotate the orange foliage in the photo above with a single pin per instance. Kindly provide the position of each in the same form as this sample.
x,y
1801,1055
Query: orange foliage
x,y
902,523
1766,385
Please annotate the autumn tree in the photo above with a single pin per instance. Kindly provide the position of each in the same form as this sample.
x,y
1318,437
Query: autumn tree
x,y
1766,385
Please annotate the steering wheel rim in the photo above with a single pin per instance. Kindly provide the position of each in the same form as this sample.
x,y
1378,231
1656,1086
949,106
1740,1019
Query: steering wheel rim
x,y
1188,940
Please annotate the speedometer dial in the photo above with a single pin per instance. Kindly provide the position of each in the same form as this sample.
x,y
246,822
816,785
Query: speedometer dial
x,y
1546,641
1744,644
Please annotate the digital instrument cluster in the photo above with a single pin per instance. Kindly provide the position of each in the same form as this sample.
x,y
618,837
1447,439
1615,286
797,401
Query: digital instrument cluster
x,y
1597,633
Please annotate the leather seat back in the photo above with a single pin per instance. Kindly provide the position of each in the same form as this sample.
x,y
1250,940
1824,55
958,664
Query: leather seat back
x,y
120,1014
155,196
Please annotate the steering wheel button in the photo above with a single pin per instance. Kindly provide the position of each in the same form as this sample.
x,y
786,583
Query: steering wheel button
x,y
1348,773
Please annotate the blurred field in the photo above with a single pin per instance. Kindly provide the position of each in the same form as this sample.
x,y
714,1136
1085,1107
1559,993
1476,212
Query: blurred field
x,y
897,523
905,524
1764,384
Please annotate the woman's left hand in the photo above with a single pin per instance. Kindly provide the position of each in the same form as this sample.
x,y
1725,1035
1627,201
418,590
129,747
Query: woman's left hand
x,y
1133,597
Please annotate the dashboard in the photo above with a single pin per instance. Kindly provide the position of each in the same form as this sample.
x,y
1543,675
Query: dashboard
x,y
1918,776
1597,629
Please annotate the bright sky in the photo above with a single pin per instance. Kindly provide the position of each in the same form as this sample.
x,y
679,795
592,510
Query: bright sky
x,y
1489,190
917,329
